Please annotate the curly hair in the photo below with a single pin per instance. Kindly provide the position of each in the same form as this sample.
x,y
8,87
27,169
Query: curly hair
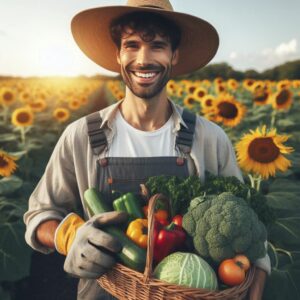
x,y
147,25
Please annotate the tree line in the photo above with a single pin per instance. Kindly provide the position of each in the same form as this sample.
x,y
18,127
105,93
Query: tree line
x,y
289,70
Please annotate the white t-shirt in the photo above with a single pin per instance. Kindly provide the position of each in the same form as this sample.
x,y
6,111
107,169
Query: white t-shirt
x,y
131,142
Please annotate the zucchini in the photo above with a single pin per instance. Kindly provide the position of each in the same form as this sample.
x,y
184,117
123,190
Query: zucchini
x,y
131,254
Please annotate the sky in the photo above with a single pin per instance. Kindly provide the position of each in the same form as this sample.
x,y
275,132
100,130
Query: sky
x,y
36,40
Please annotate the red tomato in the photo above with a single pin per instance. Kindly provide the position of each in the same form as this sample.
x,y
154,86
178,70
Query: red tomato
x,y
243,260
231,273
177,220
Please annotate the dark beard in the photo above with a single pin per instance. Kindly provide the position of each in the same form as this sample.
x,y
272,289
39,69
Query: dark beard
x,y
146,91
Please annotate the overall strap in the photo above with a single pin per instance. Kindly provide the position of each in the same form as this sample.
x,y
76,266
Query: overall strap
x,y
96,134
184,139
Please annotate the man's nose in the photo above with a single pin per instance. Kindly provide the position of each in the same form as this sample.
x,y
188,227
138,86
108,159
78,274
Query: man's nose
x,y
143,56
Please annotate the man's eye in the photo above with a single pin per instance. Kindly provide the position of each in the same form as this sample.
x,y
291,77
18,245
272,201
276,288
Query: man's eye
x,y
131,46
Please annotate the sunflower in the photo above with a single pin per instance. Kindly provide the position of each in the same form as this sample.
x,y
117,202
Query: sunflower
x,y
284,84
61,114
261,152
179,92
191,87
282,99
206,83
218,80
189,101
226,109
296,84
22,117
247,83
25,96
220,88
207,101
257,86
74,104
261,97
7,164
7,96
199,93
232,84
171,87
38,105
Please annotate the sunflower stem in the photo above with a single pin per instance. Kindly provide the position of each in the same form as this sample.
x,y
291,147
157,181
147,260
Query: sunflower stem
x,y
258,182
23,135
273,118
251,180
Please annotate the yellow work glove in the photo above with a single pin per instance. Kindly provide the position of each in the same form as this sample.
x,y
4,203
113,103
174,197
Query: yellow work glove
x,y
66,231
89,250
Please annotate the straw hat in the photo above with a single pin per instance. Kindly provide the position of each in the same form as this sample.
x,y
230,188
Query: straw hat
x,y
90,28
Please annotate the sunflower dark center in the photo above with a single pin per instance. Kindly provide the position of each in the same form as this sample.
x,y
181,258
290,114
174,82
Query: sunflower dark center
x,y
192,89
8,96
23,117
201,94
191,100
261,97
3,162
282,97
61,114
208,102
36,104
263,150
227,110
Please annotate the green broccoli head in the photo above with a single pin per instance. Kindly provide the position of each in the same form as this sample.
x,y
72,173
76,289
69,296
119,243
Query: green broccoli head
x,y
223,226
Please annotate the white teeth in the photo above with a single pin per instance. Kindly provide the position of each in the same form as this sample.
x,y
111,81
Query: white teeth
x,y
144,75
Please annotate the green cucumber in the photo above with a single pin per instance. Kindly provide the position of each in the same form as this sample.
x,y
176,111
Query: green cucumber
x,y
131,254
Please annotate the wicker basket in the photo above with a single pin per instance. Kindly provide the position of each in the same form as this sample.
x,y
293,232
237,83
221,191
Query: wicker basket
x,y
125,283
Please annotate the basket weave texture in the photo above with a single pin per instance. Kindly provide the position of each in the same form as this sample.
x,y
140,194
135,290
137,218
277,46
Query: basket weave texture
x,y
125,283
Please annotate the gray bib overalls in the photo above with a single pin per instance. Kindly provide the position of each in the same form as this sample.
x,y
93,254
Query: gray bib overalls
x,y
125,174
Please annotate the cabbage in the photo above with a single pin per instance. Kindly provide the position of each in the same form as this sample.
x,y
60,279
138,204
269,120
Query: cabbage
x,y
186,269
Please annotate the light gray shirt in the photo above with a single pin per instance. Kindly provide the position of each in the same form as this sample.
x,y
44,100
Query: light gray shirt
x,y
71,169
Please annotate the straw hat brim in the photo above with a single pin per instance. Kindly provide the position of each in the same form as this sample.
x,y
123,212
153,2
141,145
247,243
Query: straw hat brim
x,y
90,29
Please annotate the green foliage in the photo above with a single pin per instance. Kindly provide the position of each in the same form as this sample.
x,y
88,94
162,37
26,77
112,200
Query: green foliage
x,y
232,227
289,70
14,253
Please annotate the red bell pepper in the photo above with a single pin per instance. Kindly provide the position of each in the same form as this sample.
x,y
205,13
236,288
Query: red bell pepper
x,y
167,240
177,220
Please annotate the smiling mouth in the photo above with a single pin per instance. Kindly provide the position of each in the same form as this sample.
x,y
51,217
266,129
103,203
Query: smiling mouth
x,y
145,77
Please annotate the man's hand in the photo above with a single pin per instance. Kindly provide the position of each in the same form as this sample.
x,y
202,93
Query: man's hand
x,y
91,252
257,287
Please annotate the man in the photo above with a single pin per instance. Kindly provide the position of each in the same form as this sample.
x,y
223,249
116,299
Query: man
x,y
143,135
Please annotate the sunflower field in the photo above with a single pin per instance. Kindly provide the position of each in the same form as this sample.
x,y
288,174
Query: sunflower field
x,y
33,114
260,118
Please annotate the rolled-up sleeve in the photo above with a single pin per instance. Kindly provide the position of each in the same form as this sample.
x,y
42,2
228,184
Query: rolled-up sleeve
x,y
227,165
56,193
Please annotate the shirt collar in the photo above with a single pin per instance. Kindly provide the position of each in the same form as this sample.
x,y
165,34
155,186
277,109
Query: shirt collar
x,y
109,114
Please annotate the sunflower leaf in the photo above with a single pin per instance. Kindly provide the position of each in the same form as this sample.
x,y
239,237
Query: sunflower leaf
x,y
15,255
279,185
283,283
7,137
284,233
10,184
284,203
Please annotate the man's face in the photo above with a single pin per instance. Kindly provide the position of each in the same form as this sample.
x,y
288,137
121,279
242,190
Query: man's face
x,y
146,66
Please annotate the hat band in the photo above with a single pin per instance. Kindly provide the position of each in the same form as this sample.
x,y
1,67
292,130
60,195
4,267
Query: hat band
x,y
151,6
